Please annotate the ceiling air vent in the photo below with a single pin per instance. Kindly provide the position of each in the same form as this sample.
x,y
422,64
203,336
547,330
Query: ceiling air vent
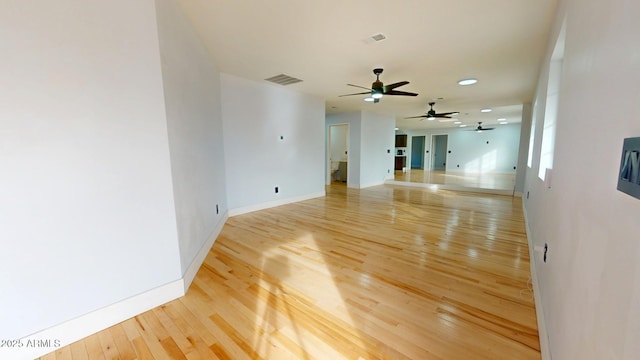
x,y
374,38
283,79
378,37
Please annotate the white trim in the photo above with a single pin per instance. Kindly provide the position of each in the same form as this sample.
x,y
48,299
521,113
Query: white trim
x,y
270,204
545,351
82,326
371,184
192,270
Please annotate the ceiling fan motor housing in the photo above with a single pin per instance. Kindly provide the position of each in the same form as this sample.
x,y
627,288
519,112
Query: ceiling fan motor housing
x,y
377,88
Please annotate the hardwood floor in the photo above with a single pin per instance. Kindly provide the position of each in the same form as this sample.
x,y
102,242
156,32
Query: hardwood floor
x,y
379,273
495,181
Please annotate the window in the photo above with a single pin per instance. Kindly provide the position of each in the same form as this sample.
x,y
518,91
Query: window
x,y
551,107
532,135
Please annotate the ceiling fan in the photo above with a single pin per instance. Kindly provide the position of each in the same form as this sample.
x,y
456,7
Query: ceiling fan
x,y
480,128
432,115
378,89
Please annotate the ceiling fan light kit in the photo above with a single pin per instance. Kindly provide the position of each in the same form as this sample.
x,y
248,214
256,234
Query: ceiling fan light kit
x,y
465,82
378,89
479,128
432,115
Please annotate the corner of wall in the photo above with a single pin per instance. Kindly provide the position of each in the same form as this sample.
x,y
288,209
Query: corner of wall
x,y
196,263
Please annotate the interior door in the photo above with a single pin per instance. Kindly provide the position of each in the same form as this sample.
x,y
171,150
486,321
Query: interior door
x,y
440,152
417,152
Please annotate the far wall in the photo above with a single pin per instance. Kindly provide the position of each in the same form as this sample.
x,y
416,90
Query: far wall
x,y
494,151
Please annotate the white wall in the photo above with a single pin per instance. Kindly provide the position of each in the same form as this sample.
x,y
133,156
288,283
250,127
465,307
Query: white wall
x,y
194,121
87,216
376,149
255,116
590,284
494,151
469,149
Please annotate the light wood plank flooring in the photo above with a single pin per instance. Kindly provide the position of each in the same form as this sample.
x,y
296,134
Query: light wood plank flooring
x,y
380,273
495,181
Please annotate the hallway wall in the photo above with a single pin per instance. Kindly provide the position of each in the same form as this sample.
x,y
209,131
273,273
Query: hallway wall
x,y
590,284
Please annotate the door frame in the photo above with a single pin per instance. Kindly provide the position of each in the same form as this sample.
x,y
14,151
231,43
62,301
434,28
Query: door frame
x,y
432,148
328,153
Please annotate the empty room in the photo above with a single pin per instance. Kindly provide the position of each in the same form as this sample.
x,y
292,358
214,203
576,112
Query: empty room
x,y
191,179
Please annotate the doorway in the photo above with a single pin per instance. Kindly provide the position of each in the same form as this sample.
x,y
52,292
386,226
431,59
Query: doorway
x,y
337,153
439,153
417,152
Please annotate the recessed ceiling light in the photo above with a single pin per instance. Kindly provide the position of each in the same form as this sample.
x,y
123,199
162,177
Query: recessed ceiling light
x,y
485,110
463,125
458,122
503,122
397,128
464,82
502,119
369,99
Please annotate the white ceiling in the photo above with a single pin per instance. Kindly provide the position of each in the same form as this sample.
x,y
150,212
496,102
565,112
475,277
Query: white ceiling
x,y
430,43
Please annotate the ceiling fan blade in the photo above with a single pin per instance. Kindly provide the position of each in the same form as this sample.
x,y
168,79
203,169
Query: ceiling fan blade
x,y
488,128
393,86
442,116
415,117
396,92
447,113
361,87
362,93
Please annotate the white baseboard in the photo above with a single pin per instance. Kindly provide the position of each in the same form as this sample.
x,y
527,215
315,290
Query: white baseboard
x,y
363,186
82,326
270,204
192,270
57,336
545,351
